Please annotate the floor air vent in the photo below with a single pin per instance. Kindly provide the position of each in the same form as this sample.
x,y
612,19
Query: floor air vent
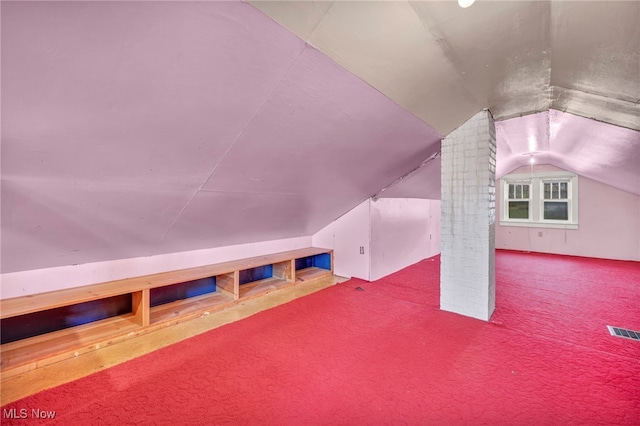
x,y
623,332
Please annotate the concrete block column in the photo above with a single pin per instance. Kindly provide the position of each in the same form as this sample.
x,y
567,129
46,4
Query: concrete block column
x,y
467,273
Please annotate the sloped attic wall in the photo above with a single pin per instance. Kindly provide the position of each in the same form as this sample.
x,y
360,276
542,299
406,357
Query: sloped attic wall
x,y
137,128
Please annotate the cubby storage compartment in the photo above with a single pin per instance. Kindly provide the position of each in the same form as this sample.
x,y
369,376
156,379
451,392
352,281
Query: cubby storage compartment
x,y
266,278
177,300
312,267
63,330
50,320
256,274
27,354
48,327
171,293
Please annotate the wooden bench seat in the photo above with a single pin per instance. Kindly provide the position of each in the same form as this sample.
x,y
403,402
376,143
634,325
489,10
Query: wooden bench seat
x,y
33,352
53,299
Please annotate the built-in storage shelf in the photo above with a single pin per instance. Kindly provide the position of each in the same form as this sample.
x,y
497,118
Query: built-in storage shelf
x,y
264,279
309,274
260,287
83,319
192,305
28,354
313,266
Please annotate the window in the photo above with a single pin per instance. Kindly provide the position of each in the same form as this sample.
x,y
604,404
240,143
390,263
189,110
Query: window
x,y
540,200
555,204
518,200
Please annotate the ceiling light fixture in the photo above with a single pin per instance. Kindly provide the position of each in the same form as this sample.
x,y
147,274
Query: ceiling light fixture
x,y
531,155
465,3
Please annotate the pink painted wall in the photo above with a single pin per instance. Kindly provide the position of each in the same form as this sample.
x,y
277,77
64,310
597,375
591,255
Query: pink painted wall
x,y
394,232
403,232
609,225
345,236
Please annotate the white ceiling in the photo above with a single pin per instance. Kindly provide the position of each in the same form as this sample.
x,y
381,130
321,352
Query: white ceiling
x,y
138,128
445,63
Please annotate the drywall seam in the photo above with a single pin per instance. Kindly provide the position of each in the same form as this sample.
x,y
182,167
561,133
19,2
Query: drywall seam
x,y
324,15
406,175
230,147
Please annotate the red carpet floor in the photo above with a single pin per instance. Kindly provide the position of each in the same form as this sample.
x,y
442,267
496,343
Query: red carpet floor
x,y
386,355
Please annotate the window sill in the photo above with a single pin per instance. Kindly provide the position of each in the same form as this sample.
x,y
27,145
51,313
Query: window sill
x,y
540,225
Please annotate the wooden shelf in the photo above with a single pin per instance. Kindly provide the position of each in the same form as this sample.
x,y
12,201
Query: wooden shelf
x,y
312,273
29,353
278,270
193,305
39,302
262,287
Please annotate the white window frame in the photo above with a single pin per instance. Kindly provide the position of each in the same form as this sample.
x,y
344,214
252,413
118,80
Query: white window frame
x,y
507,199
536,199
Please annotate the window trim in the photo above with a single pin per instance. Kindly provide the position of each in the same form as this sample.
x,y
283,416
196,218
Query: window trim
x,y
508,199
536,199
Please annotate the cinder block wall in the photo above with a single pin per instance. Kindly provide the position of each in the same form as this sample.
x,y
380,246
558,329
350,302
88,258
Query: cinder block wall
x,y
467,283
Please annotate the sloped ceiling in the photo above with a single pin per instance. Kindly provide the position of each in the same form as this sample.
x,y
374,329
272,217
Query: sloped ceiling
x,y
599,151
138,128
445,63
596,150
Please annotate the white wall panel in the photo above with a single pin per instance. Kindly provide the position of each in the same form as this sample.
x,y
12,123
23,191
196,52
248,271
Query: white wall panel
x,y
434,228
346,236
352,234
399,234
393,233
